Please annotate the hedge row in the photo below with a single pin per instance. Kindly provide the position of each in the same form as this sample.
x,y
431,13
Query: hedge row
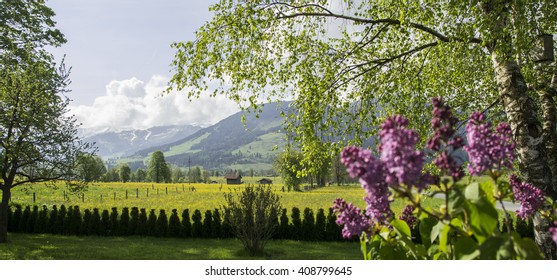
x,y
212,224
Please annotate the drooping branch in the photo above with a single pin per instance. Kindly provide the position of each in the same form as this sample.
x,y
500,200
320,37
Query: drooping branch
x,y
328,14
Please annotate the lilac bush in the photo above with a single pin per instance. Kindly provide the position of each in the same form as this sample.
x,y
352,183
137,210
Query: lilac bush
x,y
351,217
444,140
468,215
487,150
408,216
530,197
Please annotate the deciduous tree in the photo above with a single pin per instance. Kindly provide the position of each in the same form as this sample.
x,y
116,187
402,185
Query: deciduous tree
x,y
38,140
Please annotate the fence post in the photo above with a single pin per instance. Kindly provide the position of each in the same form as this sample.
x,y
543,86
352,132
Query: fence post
x,y
137,193
147,192
83,198
166,190
126,194
34,198
114,195
157,191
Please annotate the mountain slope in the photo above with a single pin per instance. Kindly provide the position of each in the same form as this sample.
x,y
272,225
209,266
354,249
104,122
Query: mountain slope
x,y
229,144
128,142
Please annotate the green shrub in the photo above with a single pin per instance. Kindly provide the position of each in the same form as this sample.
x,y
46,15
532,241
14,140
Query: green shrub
x,y
66,227
10,218
95,223
162,224
197,226
216,227
284,227
134,221
296,227
226,225
207,224
186,224
273,217
142,223
16,219
174,226
333,231
251,216
42,221
320,225
114,221
51,227
152,223
105,223
24,218
124,222
76,221
85,225
59,226
33,216
308,225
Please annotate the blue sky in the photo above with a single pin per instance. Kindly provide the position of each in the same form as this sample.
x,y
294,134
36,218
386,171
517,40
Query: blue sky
x,y
120,55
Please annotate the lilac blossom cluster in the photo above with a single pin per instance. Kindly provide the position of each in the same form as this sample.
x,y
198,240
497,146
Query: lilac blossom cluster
x,y
371,172
408,216
351,217
444,139
488,150
400,164
530,197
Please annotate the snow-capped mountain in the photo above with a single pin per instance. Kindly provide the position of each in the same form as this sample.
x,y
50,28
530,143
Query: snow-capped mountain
x,y
113,144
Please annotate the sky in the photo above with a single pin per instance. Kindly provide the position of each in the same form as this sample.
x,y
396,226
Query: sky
x,y
120,55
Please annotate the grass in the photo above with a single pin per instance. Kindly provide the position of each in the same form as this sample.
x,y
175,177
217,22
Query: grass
x,y
207,196
55,247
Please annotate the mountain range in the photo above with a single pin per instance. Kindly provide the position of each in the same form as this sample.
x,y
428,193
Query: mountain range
x,y
230,144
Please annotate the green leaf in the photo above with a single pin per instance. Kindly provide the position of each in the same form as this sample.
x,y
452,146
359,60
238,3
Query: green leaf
x,y
401,227
483,218
497,248
488,187
426,226
435,231
526,248
472,192
466,248
404,236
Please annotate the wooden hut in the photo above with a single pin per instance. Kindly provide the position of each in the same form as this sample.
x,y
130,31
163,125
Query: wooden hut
x,y
233,179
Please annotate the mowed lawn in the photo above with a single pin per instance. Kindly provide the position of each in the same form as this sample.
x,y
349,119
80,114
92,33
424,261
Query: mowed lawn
x,y
56,247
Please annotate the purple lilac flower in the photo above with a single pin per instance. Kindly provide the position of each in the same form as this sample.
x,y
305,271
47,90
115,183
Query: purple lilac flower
x,y
408,216
360,163
351,217
488,150
530,197
443,123
402,162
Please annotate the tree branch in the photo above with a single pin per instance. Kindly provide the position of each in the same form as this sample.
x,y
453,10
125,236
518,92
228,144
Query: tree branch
x,y
328,13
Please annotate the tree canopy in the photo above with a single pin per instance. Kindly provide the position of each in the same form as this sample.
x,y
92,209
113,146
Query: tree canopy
x,y
348,63
158,171
38,140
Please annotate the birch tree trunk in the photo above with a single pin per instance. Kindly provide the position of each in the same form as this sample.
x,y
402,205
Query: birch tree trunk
x,y
529,137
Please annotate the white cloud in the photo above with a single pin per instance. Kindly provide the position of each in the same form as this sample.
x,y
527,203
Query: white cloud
x,y
134,104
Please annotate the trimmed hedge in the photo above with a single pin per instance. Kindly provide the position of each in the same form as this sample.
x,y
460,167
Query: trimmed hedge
x,y
212,224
